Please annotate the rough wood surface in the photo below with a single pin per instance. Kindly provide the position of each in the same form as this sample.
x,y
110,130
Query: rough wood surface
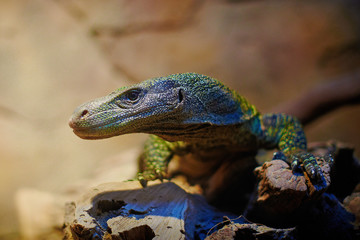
x,y
127,211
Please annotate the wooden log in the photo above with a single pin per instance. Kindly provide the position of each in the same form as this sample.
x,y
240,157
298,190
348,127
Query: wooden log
x,y
159,211
128,211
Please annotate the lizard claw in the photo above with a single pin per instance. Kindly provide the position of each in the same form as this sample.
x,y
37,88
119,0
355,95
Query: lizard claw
x,y
142,180
148,175
305,162
295,164
308,163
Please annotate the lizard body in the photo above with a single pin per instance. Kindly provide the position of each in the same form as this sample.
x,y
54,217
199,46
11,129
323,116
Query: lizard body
x,y
191,113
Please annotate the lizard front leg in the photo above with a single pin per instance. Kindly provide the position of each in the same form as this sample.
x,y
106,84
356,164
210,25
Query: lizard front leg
x,y
154,159
286,133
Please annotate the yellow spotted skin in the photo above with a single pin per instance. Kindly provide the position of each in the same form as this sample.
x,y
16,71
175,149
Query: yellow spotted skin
x,y
286,131
156,154
192,113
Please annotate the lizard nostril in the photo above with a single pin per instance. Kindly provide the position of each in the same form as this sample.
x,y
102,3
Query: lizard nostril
x,y
84,113
181,95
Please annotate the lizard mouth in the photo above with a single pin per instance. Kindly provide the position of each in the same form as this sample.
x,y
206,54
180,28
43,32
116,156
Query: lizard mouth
x,y
99,131
85,134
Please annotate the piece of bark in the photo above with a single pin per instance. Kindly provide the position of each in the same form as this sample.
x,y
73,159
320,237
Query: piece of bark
x,y
278,185
247,231
127,211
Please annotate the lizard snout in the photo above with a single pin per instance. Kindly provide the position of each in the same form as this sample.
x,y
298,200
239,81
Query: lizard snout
x,y
77,116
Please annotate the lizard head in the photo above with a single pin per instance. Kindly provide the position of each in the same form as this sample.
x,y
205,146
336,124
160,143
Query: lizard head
x,y
165,106
128,110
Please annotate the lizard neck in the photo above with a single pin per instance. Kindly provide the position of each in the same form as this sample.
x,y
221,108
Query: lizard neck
x,y
208,136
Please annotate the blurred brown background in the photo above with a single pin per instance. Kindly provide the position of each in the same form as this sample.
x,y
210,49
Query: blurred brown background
x,y
55,55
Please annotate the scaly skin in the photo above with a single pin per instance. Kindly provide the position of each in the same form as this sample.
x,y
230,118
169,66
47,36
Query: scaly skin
x,y
191,113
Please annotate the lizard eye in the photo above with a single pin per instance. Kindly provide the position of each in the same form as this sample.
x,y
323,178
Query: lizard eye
x,y
132,95
129,98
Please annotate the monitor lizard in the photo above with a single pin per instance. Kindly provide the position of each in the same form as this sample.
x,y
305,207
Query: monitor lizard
x,y
192,113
